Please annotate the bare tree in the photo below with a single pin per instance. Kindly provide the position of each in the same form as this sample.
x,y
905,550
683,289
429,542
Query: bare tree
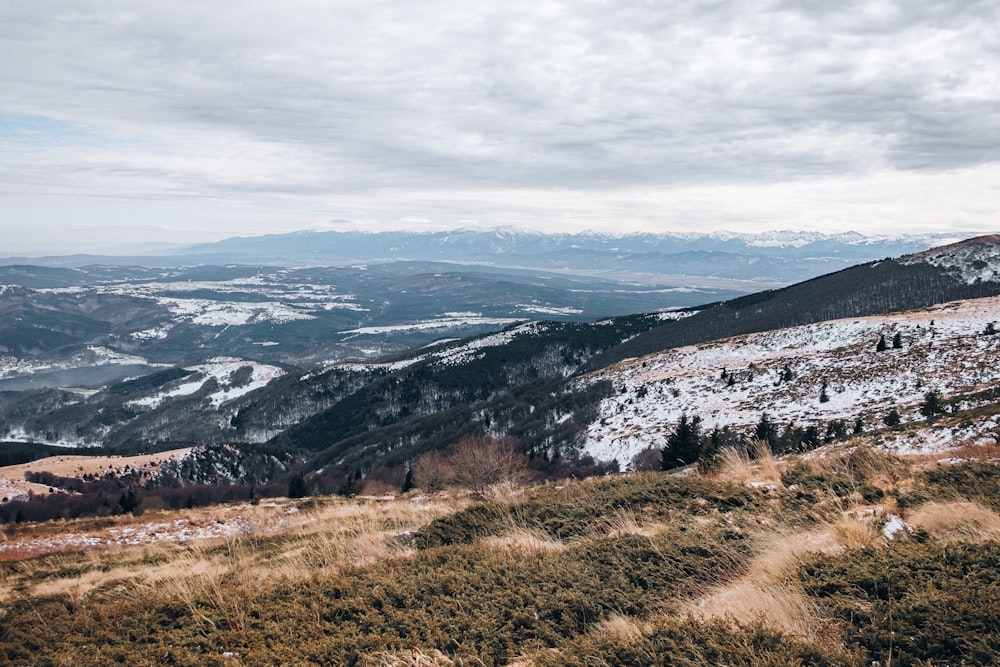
x,y
432,472
484,463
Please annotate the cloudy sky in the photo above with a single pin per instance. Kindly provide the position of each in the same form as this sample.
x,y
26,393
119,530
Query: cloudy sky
x,y
154,121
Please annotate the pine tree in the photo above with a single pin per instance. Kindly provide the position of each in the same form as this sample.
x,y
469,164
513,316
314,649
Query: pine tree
x,y
709,451
810,439
931,405
881,346
683,445
893,418
297,487
823,396
349,488
897,342
409,484
766,431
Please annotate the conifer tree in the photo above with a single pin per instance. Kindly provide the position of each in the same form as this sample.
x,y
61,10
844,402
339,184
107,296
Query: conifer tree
x,y
409,484
766,431
897,342
297,487
931,405
683,445
881,346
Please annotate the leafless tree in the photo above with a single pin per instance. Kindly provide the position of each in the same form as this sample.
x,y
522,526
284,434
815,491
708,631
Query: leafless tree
x,y
432,472
484,463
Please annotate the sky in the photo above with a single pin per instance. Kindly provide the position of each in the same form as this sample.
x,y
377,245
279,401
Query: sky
x,y
129,124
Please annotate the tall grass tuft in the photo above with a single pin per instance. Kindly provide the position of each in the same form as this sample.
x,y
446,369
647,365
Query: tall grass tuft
x,y
957,521
753,464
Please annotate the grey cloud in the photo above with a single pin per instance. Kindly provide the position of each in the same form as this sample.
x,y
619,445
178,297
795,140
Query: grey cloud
x,y
552,95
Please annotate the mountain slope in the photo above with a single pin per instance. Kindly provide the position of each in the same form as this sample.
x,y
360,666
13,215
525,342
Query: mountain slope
x,y
966,270
810,375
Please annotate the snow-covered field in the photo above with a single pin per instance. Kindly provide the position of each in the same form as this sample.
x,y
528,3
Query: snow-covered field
x,y
944,349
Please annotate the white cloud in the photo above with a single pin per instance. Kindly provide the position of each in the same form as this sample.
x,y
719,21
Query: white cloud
x,y
549,113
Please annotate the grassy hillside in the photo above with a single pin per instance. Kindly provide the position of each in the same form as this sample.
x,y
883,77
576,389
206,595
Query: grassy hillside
x,y
841,559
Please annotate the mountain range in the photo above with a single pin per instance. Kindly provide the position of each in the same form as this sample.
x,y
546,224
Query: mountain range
x,y
564,389
779,257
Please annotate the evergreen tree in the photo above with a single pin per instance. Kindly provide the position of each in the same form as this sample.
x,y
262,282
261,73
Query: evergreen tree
x,y
881,346
893,418
349,488
859,425
409,484
835,429
683,445
810,439
897,342
706,458
297,487
931,405
129,502
766,431
823,396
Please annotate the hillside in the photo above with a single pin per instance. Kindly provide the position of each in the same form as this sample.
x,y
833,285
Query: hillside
x,y
947,349
378,416
834,535
853,558
968,269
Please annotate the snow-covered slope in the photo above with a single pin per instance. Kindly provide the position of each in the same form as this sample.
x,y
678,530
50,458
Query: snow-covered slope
x,y
944,349
974,260
229,382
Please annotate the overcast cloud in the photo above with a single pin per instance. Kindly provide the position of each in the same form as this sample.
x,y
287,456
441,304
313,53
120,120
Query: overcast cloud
x,y
162,121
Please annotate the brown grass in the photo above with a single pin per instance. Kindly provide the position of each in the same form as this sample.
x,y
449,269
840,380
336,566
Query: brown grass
x,y
622,628
524,541
334,536
624,521
957,521
413,658
854,531
756,464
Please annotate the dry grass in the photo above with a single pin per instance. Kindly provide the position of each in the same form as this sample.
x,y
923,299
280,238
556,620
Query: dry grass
x,y
974,450
756,464
855,531
782,607
625,521
413,658
276,544
622,628
524,541
957,521
767,591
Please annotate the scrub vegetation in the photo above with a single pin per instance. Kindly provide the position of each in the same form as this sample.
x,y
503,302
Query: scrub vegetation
x,y
844,559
